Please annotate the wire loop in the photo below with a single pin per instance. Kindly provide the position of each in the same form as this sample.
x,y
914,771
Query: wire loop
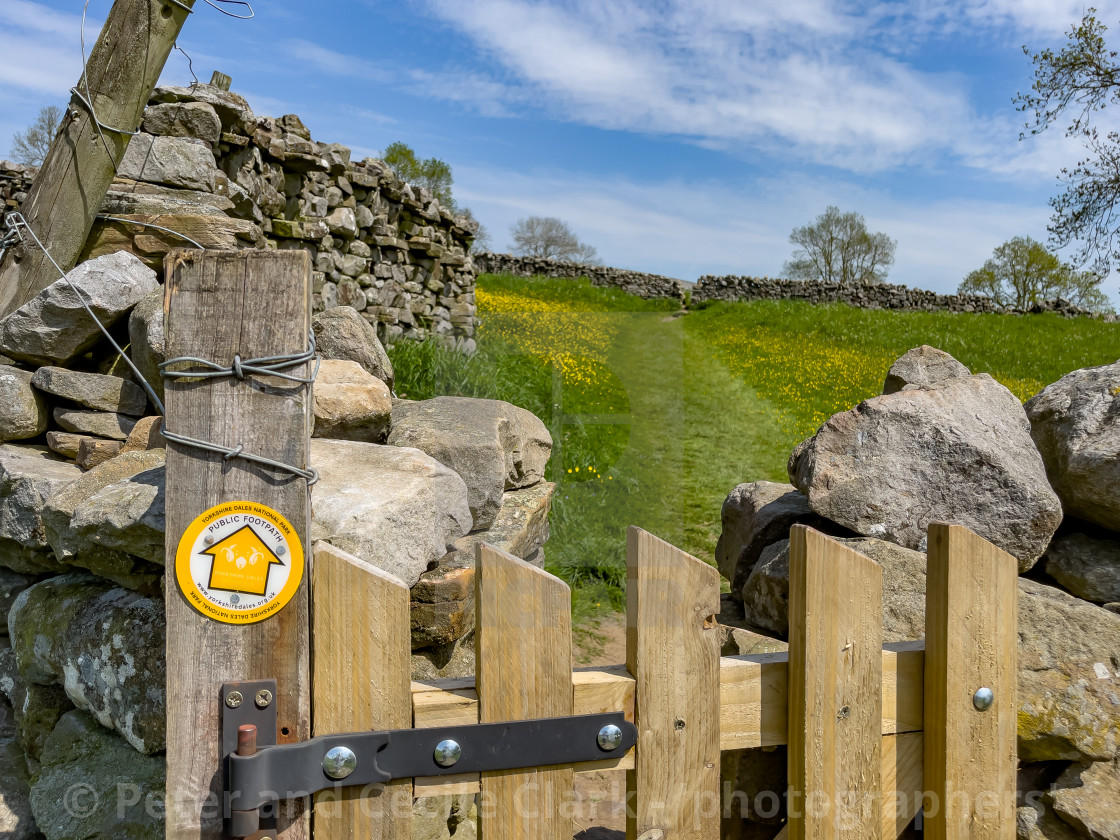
x,y
89,107
249,16
265,366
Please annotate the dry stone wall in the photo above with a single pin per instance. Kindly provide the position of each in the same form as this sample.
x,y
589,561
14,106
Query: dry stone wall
x,y
883,296
15,181
409,487
631,282
206,166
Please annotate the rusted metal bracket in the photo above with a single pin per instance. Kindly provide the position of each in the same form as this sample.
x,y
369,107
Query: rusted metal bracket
x,y
259,772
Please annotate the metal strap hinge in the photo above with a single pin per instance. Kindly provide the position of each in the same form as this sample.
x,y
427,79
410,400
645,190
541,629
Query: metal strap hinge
x,y
260,772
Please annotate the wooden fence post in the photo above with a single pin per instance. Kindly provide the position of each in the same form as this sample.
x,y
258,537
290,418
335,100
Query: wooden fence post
x,y
672,649
835,690
972,597
218,304
67,193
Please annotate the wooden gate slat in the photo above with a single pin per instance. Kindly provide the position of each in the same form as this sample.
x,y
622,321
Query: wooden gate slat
x,y
672,650
971,642
835,690
218,303
902,783
360,681
524,664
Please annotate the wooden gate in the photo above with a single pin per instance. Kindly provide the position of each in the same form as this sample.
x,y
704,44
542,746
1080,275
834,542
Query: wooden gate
x,y
875,732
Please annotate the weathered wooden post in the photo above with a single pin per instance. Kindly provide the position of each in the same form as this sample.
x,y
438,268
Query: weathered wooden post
x,y
61,206
237,594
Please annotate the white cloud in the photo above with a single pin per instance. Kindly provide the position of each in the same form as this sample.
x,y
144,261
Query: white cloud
x,y
40,50
1051,17
814,81
34,17
38,67
332,61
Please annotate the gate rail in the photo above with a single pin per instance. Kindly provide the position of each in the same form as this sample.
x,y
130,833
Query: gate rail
x,y
876,733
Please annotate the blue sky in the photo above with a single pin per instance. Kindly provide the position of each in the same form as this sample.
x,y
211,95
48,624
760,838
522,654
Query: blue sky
x,y
681,137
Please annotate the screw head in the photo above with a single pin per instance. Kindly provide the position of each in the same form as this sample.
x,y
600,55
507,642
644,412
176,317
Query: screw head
x,y
339,762
610,737
208,539
983,699
281,550
448,753
234,699
263,698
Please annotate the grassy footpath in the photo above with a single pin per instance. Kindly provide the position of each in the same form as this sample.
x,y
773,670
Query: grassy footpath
x,y
656,417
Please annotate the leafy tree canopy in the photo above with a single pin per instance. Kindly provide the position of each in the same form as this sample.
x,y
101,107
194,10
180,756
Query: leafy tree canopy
x,y
30,147
1074,83
838,248
1021,273
431,173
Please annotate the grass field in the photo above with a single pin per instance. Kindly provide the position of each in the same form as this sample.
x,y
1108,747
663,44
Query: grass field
x,y
657,415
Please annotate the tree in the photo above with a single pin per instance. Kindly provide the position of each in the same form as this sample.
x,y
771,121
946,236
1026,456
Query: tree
x,y
838,248
1021,273
432,173
1076,82
551,239
30,147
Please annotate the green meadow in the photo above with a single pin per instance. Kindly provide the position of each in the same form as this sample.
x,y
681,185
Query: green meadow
x,y
656,414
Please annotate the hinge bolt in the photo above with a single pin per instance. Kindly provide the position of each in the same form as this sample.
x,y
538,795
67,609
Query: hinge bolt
x,y
339,762
448,753
983,699
610,737
234,699
264,697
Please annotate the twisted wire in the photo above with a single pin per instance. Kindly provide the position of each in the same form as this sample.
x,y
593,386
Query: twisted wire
x,y
263,366
267,365
150,225
100,125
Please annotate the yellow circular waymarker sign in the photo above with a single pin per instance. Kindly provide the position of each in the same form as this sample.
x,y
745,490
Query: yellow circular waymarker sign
x,y
239,563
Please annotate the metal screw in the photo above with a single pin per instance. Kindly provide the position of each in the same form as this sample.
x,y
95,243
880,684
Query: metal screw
x,y
845,712
281,550
610,737
234,699
208,539
339,762
264,697
983,699
448,753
